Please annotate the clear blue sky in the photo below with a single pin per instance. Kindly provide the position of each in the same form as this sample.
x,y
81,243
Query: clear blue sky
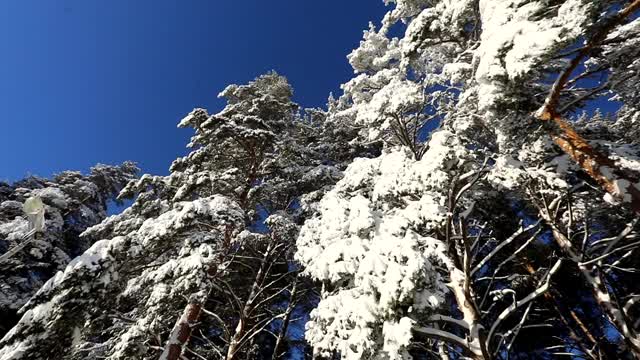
x,y
88,81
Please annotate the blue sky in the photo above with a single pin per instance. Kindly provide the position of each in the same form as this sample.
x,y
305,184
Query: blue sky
x,y
88,81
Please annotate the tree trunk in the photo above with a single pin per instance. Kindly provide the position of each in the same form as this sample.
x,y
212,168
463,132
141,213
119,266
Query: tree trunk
x,y
470,316
598,166
181,332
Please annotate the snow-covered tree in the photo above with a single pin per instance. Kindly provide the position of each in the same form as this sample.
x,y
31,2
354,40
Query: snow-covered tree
x,y
57,211
522,175
210,244
287,162
464,197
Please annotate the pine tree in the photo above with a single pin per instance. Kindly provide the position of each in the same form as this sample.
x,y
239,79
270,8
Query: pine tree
x,y
464,197
210,244
520,212
72,203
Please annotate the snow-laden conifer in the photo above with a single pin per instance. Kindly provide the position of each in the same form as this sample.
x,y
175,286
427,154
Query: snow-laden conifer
x,y
40,223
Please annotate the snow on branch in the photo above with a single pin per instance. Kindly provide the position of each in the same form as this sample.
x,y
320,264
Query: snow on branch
x,y
597,165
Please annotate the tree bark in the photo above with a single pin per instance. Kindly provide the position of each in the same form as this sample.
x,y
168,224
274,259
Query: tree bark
x,y
181,332
470,315
598,166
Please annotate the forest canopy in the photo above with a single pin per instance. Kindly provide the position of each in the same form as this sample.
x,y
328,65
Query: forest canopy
x,y
465,196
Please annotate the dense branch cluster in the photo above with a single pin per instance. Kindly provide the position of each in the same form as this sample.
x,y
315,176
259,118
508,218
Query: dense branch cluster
x,y
71,202
464,197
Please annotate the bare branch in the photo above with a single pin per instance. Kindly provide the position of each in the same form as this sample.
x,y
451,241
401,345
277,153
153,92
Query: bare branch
x,y
503,244
532,296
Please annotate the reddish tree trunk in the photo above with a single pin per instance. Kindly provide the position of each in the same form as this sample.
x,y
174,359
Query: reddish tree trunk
x,y
181,332
598,166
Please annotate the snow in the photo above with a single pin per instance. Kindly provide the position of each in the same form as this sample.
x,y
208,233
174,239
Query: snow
x,y
375,52
360,219
343,323
77,337
14,351
622,190
375,241
98,271
403,10
14,230
513,42
441,16
190,119
625,156
510,173
91,260
369,237
36,253
393,95
53,196
457,72
397,337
